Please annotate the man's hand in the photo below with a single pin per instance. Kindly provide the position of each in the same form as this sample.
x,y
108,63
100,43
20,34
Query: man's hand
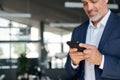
x,y
92,54
76,56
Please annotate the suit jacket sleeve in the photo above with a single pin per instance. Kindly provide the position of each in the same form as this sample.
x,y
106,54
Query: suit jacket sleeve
x,y
111,67
78,71
111,48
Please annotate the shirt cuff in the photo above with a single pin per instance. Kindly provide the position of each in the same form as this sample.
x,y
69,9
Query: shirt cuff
x,y
74,66
102,63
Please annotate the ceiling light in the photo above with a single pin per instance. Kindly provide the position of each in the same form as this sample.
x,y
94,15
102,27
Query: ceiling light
x,y
73,4
80,5
15,15
64,24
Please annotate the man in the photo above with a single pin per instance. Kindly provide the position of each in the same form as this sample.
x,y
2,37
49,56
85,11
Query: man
x,y
100,35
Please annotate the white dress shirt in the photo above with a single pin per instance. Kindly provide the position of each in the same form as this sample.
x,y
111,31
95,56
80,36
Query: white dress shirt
x,y
93,37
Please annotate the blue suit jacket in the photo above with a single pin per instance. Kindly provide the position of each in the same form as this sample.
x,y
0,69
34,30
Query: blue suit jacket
x,y
109,46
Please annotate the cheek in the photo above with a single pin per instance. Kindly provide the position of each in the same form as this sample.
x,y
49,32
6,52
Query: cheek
x,y
101,6
85,9
102,9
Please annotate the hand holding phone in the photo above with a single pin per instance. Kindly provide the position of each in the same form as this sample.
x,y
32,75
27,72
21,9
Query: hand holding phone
x,y
75,45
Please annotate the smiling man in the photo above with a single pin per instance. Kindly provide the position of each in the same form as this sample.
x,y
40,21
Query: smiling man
x,y
100,36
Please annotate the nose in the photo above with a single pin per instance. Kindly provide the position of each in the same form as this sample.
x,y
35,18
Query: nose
x,y
90,6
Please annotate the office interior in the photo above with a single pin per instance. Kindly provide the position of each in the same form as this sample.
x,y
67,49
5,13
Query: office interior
x,y
33,36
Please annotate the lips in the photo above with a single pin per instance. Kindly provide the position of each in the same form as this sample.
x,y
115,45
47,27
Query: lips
x,y
91,14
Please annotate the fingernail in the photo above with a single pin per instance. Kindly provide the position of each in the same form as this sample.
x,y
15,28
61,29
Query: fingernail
x,y
81,44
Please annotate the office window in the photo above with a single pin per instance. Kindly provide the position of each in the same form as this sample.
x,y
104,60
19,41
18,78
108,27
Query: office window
x,y
57,48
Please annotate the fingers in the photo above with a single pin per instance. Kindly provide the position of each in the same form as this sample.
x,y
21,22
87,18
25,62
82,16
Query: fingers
x,y
90,54
87,53
73,50
76,56
87,46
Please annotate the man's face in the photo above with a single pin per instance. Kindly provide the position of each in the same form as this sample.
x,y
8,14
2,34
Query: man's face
x,y
95,9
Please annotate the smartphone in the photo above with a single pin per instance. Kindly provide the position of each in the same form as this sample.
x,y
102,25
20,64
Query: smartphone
x,y
75,45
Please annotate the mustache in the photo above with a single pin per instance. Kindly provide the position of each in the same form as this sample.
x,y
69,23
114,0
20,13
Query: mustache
x,y
89,11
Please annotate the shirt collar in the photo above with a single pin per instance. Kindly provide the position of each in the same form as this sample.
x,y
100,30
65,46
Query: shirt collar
x,y
103,21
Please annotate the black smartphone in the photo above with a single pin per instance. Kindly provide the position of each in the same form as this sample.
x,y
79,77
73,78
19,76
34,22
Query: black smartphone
x,y
75,45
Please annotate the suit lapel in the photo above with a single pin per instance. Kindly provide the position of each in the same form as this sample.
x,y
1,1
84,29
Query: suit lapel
x,y
84,32
107,31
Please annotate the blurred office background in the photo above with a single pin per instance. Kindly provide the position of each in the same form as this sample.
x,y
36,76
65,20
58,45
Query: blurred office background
x,y
33,35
